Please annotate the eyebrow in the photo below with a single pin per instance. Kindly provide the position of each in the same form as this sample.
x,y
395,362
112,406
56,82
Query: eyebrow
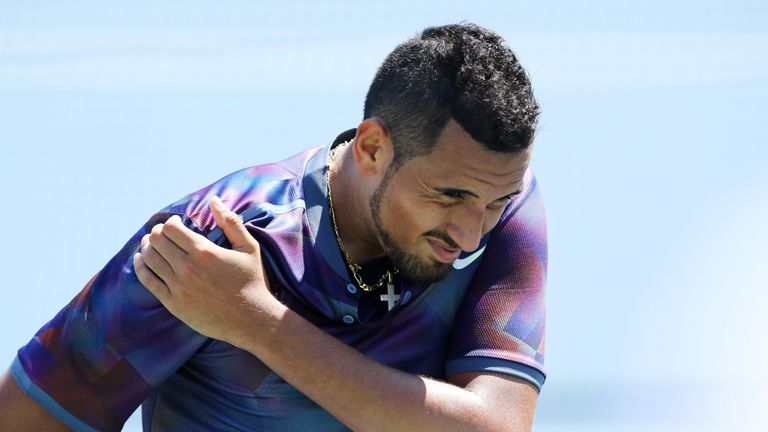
x,y
470,193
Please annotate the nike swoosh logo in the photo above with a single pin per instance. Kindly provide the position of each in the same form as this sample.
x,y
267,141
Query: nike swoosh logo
x,y
464,262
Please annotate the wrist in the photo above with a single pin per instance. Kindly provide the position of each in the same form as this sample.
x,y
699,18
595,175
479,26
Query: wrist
x,y
259,328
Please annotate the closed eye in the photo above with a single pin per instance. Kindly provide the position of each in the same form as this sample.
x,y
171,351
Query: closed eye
x,y
455,194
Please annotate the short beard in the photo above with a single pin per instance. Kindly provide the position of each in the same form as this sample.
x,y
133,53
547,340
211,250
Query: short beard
x,y
411,266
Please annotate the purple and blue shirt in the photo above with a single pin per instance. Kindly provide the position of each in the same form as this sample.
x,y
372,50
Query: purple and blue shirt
x,y
115,347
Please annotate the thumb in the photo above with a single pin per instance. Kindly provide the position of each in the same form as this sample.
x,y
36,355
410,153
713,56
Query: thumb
x,y
232,225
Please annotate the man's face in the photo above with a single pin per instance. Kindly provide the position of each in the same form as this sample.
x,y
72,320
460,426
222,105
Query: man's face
x,y
434,206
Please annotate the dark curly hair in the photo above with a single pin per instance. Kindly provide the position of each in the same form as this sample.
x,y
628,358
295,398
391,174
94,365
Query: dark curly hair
x,y
459,71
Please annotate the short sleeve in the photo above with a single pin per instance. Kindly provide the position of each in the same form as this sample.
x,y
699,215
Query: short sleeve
x,y
500,325
95,362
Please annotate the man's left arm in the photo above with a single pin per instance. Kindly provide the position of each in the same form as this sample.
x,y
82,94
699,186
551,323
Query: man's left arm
x,y
223,294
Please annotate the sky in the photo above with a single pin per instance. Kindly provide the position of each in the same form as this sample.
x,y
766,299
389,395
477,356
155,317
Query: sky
x,y
651,156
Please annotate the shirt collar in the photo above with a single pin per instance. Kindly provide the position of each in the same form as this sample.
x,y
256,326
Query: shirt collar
x,y
315,184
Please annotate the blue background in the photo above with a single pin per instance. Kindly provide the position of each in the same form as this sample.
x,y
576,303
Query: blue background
x,y
651,155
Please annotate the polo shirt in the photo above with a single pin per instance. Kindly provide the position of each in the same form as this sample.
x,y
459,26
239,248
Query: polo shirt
x,y
115,347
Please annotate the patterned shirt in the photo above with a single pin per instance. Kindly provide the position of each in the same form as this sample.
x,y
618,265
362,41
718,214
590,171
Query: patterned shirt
x,y
115,347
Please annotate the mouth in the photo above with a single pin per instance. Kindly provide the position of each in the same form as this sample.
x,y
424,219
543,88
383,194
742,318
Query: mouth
x,y
444,253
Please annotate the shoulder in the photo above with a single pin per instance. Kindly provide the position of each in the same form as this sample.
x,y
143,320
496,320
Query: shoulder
x,y
500,326
269,185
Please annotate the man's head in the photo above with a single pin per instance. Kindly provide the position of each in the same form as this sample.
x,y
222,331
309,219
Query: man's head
x,y
450,117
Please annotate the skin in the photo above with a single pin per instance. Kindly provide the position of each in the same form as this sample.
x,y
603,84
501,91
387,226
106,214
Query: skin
x,y
224,294
19,413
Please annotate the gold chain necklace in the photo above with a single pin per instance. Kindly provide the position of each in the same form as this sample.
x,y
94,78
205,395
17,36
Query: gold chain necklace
x,y
353,267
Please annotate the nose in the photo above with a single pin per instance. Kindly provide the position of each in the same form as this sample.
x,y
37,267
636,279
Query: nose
x,y
466,227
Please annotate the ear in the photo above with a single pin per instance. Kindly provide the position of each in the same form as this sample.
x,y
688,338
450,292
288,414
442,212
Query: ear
x,y
372,148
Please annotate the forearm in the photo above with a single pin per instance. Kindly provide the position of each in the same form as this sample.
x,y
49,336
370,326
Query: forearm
x,y
364,394
20,413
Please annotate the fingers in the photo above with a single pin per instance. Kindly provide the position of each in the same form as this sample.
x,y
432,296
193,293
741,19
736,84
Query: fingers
x,y
150,280
167,249
186,239
154,261
232,225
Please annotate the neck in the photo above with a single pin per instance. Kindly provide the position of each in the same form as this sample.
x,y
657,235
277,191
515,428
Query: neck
x,y
350,208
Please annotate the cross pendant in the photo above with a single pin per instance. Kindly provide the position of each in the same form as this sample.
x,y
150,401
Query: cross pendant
x,y
390,297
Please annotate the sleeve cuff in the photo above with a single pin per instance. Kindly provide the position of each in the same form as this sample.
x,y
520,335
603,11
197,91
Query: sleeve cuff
x,y
41,397
495,365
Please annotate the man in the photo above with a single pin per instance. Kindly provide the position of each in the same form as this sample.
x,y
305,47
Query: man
x,y
392,280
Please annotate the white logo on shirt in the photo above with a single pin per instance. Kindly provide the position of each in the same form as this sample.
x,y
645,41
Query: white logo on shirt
x,y
464,262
